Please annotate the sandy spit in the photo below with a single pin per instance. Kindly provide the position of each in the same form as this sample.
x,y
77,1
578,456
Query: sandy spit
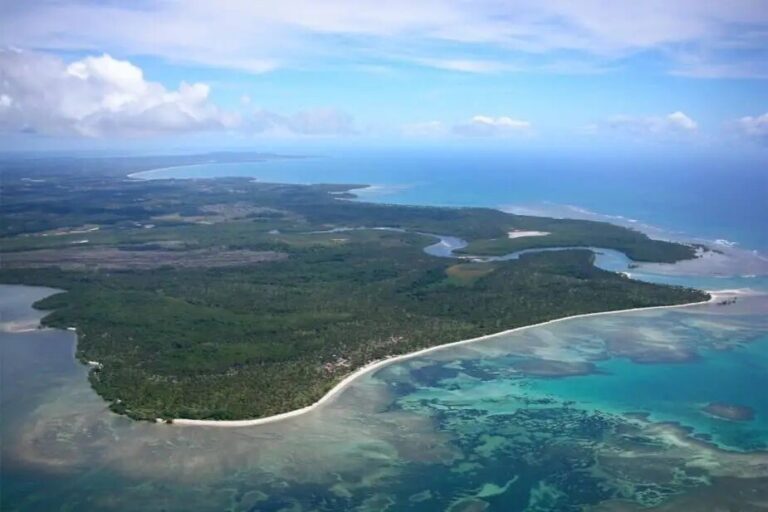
x,y
523,234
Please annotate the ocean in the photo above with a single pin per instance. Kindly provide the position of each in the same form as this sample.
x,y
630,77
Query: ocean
x,y
721,198
481,426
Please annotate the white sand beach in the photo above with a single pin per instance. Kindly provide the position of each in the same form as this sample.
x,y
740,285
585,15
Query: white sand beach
x,y
20,326
524,234
715,296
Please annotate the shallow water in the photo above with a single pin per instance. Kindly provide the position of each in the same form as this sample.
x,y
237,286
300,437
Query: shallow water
x,y
677,392
601,413
465,427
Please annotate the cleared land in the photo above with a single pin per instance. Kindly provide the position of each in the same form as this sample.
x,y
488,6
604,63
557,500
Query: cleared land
x,y
109,258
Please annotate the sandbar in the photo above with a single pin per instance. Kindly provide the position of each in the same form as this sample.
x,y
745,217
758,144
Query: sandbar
x,y
523,234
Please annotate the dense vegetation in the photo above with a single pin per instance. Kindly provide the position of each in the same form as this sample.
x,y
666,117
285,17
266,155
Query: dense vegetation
x,y
569,233
250,340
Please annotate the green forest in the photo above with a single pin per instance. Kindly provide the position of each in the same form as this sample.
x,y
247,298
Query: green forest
x,y
186,319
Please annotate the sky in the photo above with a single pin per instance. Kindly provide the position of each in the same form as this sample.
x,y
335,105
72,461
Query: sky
x,y
690,74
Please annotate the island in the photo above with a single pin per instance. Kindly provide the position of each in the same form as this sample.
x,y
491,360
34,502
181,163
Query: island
x,y
230,298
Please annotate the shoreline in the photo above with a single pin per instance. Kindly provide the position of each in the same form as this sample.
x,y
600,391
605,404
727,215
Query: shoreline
x,y
137,175
380,363
653,232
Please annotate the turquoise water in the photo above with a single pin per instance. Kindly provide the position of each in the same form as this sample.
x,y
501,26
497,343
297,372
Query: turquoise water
x,y
459,429
465,428
677,392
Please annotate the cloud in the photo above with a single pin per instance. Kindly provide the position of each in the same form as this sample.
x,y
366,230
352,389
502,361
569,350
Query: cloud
x,y
678,120
674,124
317,121
754,127
485,126
105,97
321,121
477,126
424,129
98,96
466,65
260,36
713,69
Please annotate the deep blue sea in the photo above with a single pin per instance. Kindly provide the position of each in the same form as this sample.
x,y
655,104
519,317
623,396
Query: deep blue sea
x,y
702,196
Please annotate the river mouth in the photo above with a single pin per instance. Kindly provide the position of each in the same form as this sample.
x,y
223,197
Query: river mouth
x,y
447,245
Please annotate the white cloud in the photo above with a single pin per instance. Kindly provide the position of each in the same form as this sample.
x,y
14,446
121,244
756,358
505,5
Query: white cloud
x,y
681,121
466,65
674,124
98,96
317,121
322,121
485,126
588,129
724,67
754,127
424,129
260,36
106,97
477,126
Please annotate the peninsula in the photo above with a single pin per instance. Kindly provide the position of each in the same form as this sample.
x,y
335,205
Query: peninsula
x,y
230,299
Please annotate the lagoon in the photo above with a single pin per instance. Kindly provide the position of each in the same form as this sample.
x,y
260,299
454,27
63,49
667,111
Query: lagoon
x,y
483,432
472,427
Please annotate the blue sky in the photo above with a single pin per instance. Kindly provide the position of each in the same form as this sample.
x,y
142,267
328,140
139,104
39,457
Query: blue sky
x,y
688,73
